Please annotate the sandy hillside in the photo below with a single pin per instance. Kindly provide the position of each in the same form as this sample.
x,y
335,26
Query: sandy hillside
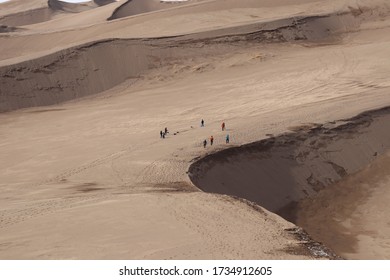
x,y
84,94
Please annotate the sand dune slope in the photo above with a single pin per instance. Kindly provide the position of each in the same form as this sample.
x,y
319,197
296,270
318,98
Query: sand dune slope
x,y
135,7
90,178
28,17
98,66
279,171
44,11
77,7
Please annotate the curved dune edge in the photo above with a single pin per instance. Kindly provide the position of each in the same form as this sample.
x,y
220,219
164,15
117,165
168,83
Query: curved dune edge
x,y
58,5
279,171
46,13
103,2
28,17
135,7
95,67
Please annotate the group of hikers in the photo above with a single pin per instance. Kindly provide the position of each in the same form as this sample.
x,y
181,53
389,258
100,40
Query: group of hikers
x,y
164,133
223,126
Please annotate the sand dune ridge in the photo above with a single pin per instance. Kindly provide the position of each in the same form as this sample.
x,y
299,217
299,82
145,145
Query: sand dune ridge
x,y
98,66
46,12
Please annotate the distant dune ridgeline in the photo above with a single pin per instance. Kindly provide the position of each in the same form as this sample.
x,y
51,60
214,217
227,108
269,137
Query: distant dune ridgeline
x,y
98,66
135,7
46,12
77,7
28,17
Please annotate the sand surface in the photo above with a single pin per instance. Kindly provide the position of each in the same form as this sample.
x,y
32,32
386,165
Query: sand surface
x,y
83,171
294,175
354,211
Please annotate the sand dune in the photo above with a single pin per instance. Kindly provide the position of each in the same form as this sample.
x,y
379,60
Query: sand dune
x,y
28,17
135,7
98,66
280,171
57,5
46,11
103,2
194,18
90,178
352,210
295,175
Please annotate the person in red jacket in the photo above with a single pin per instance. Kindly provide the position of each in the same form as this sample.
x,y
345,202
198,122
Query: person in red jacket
x,y
223,126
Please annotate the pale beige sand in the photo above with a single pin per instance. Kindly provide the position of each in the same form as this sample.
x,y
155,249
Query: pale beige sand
x,y
92,179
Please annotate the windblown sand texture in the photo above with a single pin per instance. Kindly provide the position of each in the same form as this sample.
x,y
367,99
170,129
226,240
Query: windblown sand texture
x,y
303,87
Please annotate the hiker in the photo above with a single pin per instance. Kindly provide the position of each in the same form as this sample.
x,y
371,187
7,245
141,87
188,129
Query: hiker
x,y
227,139
202,123
161,134
211,140
166,130
223,126
204,143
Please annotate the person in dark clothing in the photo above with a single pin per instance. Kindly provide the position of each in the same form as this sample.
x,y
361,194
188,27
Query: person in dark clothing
x,y
227,139
166,130
204,143
161,134
202,123
211,140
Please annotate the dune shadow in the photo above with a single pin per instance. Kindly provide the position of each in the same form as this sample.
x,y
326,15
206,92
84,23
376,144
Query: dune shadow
x,y
281,172
136,7
43,14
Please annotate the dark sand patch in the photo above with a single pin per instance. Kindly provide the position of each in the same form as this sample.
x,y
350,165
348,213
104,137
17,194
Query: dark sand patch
x,y
135,7
46,110
58,5
6,29
28,17
308,246
88,187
